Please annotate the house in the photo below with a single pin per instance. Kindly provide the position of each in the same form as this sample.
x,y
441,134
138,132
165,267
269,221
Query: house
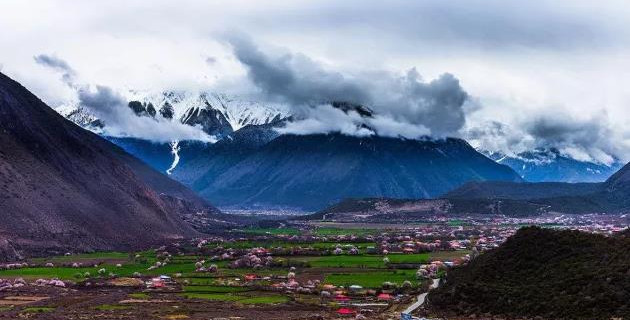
x,y
342,298
346,312
166,279
155,283
384,297
355,288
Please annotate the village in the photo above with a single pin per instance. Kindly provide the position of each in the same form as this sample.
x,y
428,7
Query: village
x,y
295,270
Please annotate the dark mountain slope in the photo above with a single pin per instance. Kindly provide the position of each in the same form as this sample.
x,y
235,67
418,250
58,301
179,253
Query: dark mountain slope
x,y
201,170
620,181
64,187
543,273
494,197
313,171
159,155
521,191
611,196
404,210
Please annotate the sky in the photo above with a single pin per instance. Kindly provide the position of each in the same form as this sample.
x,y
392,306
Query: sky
x,y
506,75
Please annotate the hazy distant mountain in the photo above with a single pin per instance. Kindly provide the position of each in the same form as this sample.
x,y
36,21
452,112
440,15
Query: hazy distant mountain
x,y
549,165
64,187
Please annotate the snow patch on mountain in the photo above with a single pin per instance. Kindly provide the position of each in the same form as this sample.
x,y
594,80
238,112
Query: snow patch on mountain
x,y
175,151
547,165
218,114
81,116
237,111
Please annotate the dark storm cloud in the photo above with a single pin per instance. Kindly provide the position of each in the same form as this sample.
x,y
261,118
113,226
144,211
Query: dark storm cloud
x,y
590,139
405,101
438,104
57,64
112,109
103,101
565,131
293,77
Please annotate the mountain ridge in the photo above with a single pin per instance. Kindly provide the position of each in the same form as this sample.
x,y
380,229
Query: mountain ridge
x,y
65,188
293,170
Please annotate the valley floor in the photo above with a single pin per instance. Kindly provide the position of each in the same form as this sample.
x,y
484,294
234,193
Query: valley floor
x,y
295,270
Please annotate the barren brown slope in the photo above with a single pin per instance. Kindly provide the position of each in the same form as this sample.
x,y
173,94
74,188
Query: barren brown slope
x,y
64,187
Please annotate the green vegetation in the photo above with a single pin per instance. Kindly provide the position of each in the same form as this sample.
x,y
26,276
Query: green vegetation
x,y
367,270
178,265
409,258
544,273
371,279
272,231
364,261
139,295
270,299
326,231
456,223
213,296
284,244
38,309
111,307
251,298
214,289
64,273
85,256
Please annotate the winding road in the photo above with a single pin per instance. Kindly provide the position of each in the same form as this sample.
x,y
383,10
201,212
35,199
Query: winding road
x,y
421,298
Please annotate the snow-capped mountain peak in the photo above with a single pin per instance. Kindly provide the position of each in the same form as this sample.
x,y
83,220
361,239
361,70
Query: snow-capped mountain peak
x,y
217,114
549,164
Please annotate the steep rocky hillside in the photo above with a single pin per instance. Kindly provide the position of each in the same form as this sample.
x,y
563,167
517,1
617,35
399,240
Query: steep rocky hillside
x,y
63,187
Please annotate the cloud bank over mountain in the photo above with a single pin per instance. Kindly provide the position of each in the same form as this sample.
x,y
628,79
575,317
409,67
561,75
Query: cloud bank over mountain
x,y
112,109
592,139
404,105
512,63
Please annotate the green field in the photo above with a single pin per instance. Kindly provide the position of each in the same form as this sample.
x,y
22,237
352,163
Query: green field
x,y
286,245
250,298
38,309
272,231
213,289
363,261
327,231
139,295
372,279
111,307
185,265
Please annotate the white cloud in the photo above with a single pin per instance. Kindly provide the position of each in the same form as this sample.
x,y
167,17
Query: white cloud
x,y
518,59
